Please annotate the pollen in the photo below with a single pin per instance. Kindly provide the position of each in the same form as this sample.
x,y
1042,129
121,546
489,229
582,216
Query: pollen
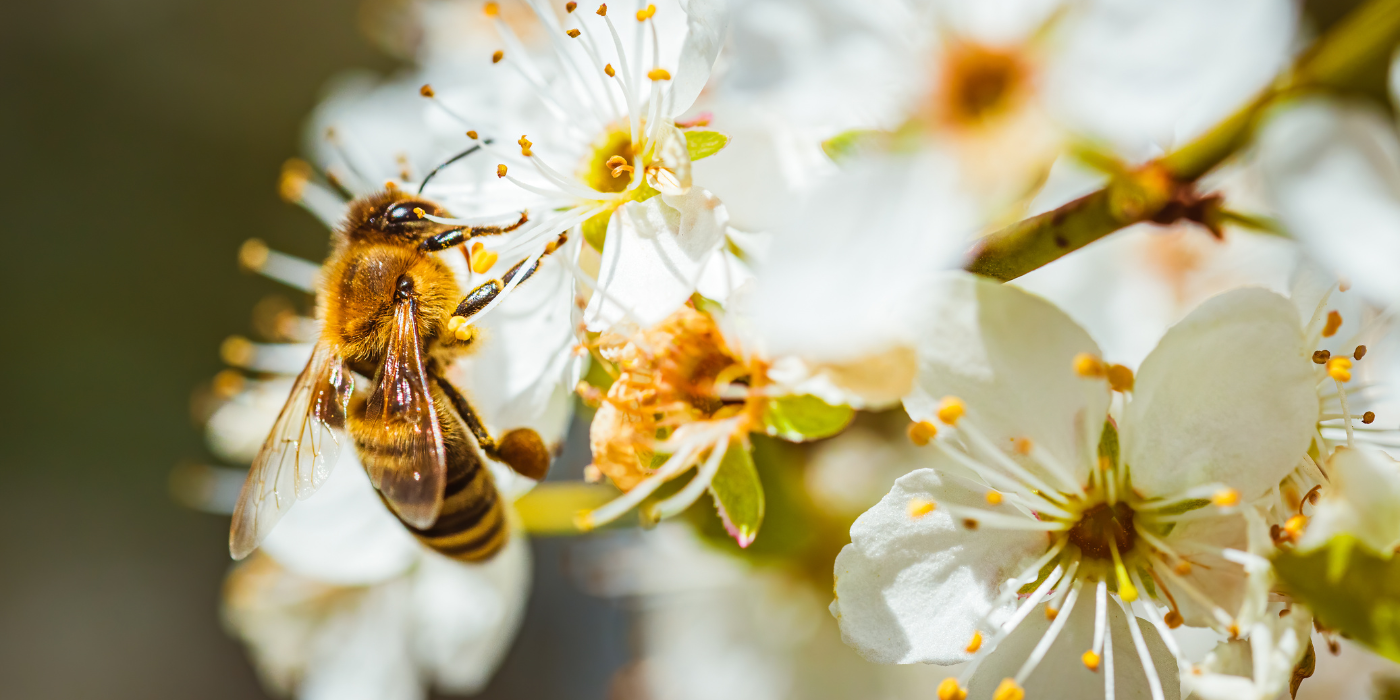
x,y
1339,368
418,211
1009,690
525,146
950,409
1024,446
1091,660
426,90
994,498
1120,378
1295,525
1051,613
644,15
465,332
976,642
501,170
1224,498
496,57
455,322
1369,417
921,432
603,10
1321,357
607,68
659,74
492,9
1088,366
482,259
1173,619
1182,568
1334,321
573,33
919,507
950,690
472,135
1359,353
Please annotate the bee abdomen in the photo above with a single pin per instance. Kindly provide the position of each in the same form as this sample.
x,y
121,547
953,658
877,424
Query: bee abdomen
x,y
472,523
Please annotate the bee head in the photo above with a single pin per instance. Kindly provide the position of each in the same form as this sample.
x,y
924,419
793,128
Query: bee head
x,y
394,214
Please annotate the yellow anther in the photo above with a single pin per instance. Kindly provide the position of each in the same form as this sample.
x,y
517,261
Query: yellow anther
x,y
644,15
607,68
501,170
994,498
659,74
1234,630
525,146
1120,378
420,213
919,507
1086,365
472,134
1368,417
1009,690
1295,525
950,690
454,322
1051,613
570,7
228,382
603,10
1334,321
976,642
391,185
492,9
1182,568
426,90
1024,446
253,254
1339,368
573,33
1091,660
950,409
496,57
237,351
483,260
921,432
1225,498
292,182
1173,619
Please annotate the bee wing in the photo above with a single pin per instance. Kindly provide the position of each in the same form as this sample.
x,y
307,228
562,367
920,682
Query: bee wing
x,y
299,452
413,481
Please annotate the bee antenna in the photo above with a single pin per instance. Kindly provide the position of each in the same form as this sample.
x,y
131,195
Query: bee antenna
x,y
448,162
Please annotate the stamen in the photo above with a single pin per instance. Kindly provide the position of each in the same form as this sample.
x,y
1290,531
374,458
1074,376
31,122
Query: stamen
x,y
1109,686
950,409
1359,353
1334,321
1368,417
1100,617
1154,683
1339,368
272,358
919,507
659,74
921,432
1088,366
492,9
645,14
570,6
1091,661
1043,647
573,33
1023,446
501,170
975,644
482,259
525,146
1221,617
609,70
985,445
1126,590
675,464
1002,481
1120,378
1163,625
1321,357
1052,607
1225,498
603,10
693,490
994,498
950,690
496,57
1009,690
255,256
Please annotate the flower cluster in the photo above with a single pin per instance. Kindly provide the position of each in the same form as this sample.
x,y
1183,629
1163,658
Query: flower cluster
x,y
1051,338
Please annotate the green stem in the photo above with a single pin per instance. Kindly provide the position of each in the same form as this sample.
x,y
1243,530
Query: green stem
x,y
1368,35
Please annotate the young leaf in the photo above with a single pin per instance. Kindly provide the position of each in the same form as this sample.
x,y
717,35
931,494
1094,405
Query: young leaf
x,y
1349,589
595,229
846,144
738,493
805,417
703,144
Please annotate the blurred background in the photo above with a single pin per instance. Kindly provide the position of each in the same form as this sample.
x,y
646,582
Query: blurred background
x,y
141,145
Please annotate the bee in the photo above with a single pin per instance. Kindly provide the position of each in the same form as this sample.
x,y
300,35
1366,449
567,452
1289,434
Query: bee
x,y
390,311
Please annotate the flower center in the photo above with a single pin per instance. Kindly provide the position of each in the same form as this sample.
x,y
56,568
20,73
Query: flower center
x,y
1100,523
977,83
601,169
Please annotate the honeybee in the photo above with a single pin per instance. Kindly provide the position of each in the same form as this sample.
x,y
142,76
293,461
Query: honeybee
x,y
390,312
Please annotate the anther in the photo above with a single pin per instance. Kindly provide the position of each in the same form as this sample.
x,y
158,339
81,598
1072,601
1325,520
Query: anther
x,y
1360,353
472,135
644,15
1120,378
426,90
482,260
607,68
525,146
492,9
950,409
292,182
1224,498
1051,613
227,383
390,185
970,523
465,331
1368,417
573,33
418,211
236,350
570,7
1343,285
976,642
253,254
950,690
455,322
1024,445
1234,631
1294,526
501,170
1086,365
919,507
659,74
1091,661
496,57
1009,690
1182,568
603,10
1322,356
921,432
1334,321
994,498
1173,619
1339,368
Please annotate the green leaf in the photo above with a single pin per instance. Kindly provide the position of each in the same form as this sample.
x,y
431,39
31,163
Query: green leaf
x,y
595,229
805,417
1350,589
738,494
703,144
847,144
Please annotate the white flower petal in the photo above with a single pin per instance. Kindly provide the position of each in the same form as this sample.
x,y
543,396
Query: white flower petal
x,y
1009,355
1227,396
706,21
654,255
362,651
467,614
1333,173
343,534
1062,674
910,589
1217,577
1362,500
849,274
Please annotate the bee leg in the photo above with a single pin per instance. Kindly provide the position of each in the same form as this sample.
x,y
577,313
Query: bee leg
x,y
487,291
521,449
458,236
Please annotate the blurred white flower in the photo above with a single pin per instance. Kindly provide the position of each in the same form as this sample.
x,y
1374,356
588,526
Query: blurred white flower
x,y
1026,496
1361,499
